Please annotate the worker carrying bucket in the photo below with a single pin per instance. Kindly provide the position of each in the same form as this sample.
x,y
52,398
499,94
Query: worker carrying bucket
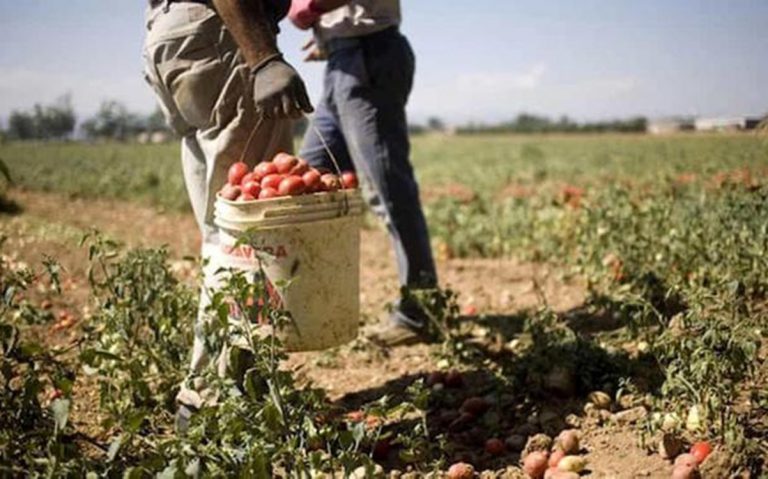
x,y
225,89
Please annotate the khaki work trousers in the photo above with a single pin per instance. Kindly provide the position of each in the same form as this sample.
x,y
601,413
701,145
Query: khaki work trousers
x,y
206,93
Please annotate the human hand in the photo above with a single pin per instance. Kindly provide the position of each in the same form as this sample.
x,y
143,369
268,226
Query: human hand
x,y
278,91
314,52
304,13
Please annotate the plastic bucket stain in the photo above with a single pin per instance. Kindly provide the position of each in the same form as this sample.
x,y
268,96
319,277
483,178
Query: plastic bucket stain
x,y
312,244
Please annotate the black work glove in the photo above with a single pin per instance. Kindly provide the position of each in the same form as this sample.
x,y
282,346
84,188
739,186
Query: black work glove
x,y
278,91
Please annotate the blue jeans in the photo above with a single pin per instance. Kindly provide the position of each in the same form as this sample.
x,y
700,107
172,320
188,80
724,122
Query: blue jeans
x,y
362,118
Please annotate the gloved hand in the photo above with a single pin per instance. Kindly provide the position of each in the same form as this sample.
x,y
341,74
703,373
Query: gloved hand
x,y
278,90
304,13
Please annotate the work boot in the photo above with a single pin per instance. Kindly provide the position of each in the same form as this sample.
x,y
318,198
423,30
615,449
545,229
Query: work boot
x,y
406,326
391,335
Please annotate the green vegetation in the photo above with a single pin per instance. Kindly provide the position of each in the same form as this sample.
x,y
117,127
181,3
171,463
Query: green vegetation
x,y
152,173
669,234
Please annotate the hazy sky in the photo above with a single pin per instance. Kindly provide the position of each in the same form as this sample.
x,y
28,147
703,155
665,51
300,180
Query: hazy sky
x,y
481,60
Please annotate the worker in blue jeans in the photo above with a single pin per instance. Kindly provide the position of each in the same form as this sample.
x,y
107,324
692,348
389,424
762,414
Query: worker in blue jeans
x,y
361,116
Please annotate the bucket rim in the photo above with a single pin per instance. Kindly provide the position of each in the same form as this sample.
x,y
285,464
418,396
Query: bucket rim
x,y
228,225
341,194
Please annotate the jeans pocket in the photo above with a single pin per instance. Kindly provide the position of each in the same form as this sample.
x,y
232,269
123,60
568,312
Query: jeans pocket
x,y
390,66
352,62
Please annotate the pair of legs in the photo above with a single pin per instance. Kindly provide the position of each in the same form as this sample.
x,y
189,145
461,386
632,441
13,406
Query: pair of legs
x,y
205,90
362,118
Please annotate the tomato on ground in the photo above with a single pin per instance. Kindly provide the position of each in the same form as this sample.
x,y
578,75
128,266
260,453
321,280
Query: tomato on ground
x,y
700,451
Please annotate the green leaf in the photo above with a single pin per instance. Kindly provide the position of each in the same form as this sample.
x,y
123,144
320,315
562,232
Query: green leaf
x,y
260,466
5,171
271,417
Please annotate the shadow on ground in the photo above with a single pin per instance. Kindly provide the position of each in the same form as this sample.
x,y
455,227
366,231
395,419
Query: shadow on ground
x,y
537,371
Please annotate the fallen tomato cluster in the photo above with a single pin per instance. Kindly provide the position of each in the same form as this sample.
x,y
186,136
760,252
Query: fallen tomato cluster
x,y
686,466
285,175
562,462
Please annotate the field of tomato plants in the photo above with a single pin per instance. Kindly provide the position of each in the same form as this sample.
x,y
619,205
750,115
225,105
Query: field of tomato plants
x,y
603,313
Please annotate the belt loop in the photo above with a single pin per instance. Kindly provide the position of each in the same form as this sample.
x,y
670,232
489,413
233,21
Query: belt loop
x,y
166,6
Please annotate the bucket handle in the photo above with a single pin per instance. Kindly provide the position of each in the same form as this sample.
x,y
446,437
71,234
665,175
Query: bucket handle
x,y
335,162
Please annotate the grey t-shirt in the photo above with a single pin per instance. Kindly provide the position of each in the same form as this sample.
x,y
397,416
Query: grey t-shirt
x,y
358,18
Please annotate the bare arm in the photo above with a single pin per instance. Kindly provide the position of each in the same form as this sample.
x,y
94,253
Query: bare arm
x,y
278,90
250,27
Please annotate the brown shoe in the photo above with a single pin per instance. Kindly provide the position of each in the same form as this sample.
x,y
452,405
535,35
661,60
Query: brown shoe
x,y
391,335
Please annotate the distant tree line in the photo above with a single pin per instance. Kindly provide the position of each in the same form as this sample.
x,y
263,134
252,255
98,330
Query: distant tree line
x,y
113,121
57,121
528,123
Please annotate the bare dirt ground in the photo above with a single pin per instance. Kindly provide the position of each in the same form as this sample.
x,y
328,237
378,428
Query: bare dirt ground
x,y
53,224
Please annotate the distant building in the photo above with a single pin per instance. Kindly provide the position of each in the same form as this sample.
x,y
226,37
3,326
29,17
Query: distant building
x,y
735,123
159,137
665,126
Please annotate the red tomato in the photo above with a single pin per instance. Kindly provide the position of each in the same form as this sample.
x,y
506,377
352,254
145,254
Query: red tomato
x,y
272,181
349,180
330,182
454,379
253,188
250,176
267,193
355,416
381,449
300,167
291,186
264,168
535,464
461,470
284,162
435,377
494,447
230,192
555,457
475,406
236,173
245,197
311,180
700,451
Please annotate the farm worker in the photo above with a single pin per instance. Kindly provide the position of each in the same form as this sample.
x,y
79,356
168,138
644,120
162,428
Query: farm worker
x,y
227,92
361,116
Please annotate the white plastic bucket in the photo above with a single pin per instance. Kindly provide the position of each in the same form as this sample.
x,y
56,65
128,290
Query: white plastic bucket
x,y
310,242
